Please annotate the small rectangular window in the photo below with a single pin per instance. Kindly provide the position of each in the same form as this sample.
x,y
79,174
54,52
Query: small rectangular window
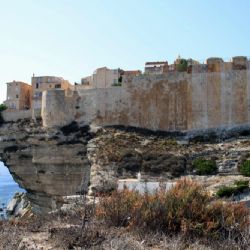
x,y
58,86
37,85
17,96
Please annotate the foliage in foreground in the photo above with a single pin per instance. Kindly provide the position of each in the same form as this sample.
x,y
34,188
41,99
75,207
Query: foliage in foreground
x,y
185,209
245,168
204,167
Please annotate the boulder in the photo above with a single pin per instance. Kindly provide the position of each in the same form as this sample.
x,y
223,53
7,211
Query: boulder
x,y
18,206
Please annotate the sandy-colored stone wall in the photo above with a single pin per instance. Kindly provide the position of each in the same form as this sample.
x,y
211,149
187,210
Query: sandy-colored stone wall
x,y
171,102
15,115
58,107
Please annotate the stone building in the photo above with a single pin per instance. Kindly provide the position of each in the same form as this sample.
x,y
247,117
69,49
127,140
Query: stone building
x,y
156,68
101,78
130,73
18,95
42,83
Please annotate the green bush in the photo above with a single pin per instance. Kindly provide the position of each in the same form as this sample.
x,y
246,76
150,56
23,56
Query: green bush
x,y
241,185
182,65
227,191
2,107
245,168
204,167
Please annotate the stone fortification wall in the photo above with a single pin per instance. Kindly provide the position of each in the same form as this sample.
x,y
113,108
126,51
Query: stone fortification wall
x,y
172,102
15,115
58,107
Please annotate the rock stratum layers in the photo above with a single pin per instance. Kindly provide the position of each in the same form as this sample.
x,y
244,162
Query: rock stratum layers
x,y
48,164
53,163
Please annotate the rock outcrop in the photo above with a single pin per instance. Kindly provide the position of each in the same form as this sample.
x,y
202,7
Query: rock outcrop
x,y
19,206
53,163
48,164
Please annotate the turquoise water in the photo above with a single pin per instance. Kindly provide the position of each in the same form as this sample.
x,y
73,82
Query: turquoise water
x,y
8,187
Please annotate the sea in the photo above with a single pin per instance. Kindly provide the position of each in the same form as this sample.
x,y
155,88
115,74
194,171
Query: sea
x,y
8,187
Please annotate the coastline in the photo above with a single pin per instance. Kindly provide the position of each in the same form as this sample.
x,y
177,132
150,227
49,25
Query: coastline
x,y
8,187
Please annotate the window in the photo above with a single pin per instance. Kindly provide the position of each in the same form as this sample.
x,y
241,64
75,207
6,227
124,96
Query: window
x,y
17,96
37,85
58,86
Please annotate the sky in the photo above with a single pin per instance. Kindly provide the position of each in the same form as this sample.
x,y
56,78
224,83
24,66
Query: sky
x,y
71,38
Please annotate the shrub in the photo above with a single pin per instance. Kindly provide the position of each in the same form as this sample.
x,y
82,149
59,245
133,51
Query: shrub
x,y
204,167
227,191
2,107
241,182
245,168
182,65
117,209
186,209
241,185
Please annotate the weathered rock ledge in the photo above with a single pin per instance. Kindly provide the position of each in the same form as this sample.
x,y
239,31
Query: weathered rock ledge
x,y
53,163
47,163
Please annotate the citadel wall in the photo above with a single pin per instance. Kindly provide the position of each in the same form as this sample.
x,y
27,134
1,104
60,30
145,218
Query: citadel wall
x,y
15,115
177,101
58,107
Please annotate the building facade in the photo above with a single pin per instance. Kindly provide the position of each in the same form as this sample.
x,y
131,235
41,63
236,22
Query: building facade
x,y
156,68
42,83
18,96
101,78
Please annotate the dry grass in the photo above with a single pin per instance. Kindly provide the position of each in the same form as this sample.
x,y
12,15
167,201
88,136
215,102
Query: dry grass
x,y
184,217
186,209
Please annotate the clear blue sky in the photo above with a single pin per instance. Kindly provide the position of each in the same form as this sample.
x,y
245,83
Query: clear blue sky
x,y
71,38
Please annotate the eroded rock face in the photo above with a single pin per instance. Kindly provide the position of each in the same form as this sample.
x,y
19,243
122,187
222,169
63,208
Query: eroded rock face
x,y
53,163
48,164
19,206
119,154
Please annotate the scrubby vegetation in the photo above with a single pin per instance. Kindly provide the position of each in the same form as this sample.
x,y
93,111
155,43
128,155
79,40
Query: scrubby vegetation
x,y
2,107
182,65
245,168
184,217
186,209
204,167
237,188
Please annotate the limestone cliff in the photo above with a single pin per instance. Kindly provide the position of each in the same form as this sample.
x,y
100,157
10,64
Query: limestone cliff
x,y
49,164
53,163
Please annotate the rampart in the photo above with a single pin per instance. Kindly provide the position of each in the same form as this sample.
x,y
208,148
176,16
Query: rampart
x,y
15,115
176,101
